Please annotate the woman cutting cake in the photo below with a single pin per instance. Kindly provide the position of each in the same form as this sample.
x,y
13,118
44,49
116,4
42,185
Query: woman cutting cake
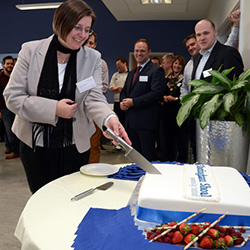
x,y
55,92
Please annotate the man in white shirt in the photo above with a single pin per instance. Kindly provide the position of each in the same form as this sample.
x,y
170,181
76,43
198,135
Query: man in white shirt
x,y
194,48
212,55
116,85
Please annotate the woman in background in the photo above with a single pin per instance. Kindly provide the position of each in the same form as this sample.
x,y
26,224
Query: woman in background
x,y
174,146
54,92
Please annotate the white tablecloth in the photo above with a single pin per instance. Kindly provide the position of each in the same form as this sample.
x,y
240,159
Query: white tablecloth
x,y
50,219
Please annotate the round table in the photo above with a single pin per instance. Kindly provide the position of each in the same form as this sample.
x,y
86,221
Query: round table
x,y
50,219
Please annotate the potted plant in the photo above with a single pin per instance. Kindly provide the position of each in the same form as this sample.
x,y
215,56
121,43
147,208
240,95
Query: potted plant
x,y
221,100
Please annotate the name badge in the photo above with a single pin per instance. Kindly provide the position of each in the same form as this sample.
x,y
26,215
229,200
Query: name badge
x,y
143,78
206,73
86,84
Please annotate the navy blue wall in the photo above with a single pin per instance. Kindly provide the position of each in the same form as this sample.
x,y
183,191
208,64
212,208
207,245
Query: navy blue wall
x,y
115,38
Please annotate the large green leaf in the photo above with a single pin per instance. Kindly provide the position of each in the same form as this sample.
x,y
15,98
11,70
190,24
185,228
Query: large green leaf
x,y
197,83
244,75
239,85
208,109
214,79
221,77
229,100
186,108
209,89
186,97
220,114
199,104
239,118
227,71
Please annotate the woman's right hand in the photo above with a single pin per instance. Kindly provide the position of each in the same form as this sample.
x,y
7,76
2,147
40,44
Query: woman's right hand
x,y
66,108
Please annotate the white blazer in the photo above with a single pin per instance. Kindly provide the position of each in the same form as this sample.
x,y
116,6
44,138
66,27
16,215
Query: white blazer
x,y
21,94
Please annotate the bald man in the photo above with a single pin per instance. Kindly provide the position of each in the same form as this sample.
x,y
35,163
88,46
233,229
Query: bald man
x,y
213,54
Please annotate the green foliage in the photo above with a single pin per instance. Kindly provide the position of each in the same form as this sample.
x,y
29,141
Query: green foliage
x,y
221,99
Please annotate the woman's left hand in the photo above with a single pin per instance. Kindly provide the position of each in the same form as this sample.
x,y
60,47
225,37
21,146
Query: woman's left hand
x,y
170,98
114,124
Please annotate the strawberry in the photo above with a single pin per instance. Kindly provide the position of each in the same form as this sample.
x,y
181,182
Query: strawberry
x,y
167,239
195,229
170,234
220,243
230,230
213,233
238,240
150,236
184,228
177,237
159,240
158,232
206,242
222,235
229,240
188,238
171,224
207,224
237,234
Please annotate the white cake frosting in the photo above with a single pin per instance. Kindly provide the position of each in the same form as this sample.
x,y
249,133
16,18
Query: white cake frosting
x,y
199,183
161,197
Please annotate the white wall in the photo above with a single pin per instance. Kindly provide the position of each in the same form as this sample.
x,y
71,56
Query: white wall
x,y
219,10
244,46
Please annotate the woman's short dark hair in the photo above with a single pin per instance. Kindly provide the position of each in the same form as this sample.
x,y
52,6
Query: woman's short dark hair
x,y
181,60
68,14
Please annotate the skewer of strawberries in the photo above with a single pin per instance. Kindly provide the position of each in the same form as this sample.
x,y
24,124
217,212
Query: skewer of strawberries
x,y
208,235
175,226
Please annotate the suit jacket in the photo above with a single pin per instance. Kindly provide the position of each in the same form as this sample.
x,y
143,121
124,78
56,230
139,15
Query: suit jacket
x,y
147,91
21,94
223,55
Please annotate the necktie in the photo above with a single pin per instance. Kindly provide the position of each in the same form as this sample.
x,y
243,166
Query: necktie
x,y
136,73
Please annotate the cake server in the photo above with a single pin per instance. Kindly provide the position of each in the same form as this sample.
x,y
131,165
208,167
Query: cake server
x,y
133,154
91,190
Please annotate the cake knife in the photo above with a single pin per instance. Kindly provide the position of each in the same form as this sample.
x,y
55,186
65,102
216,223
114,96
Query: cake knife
x,y
103,187
133,154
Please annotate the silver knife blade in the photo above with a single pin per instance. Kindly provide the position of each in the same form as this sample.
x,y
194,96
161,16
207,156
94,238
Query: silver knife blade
x,y
141,161
133,154
103,187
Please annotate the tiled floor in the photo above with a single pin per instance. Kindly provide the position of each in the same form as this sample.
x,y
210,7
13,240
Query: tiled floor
x,y
14,192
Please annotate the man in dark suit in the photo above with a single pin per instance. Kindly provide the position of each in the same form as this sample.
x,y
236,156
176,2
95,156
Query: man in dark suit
x,y
140,99
213,54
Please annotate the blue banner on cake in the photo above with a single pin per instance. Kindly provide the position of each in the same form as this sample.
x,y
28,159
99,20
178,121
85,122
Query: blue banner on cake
x,y
164,216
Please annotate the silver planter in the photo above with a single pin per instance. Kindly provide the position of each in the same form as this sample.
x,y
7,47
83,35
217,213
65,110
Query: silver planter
x,y
222,143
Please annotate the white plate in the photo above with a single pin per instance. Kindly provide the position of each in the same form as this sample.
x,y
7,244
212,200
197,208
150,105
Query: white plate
x,y
99,169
